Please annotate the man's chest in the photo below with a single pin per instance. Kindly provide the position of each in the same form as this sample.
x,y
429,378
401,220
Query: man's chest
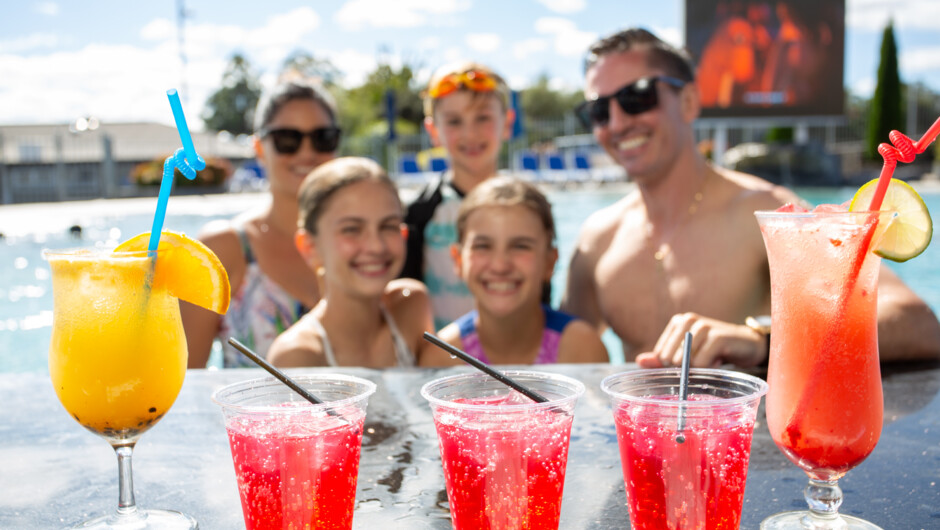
x,y
641,284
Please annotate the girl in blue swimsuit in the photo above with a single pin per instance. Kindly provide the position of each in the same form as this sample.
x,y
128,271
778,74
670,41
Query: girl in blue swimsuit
x,y
506,254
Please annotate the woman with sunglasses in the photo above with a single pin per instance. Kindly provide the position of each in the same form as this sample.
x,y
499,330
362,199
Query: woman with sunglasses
x,y
272,286
467,111
682,252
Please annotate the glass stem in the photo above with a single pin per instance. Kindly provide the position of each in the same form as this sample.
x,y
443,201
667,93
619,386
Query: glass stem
x,y
824,498
127,506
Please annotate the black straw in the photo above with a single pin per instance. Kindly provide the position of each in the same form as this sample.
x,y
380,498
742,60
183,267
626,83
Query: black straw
x,y
684,385
279,374
495,374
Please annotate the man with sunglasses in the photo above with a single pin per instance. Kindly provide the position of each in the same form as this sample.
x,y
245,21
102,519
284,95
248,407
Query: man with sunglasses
x,y
682,251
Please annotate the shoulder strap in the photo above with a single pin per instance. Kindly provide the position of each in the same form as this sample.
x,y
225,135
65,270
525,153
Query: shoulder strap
x,y
556,320
403,353
246,246
467,323
417,217
327,347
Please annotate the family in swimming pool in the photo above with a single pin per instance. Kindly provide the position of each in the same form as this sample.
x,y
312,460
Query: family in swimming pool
x,y
335,271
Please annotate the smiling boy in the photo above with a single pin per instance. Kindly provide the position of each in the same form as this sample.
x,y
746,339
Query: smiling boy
x,y
467,113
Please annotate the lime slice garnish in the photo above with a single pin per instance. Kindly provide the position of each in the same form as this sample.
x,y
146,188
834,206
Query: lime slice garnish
x,y
908,233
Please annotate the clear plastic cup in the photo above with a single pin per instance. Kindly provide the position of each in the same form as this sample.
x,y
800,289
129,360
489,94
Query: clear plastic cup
x,y
697,482
296,463
504,455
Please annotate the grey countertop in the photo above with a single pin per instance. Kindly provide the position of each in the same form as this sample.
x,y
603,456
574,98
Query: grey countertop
x,y
54,473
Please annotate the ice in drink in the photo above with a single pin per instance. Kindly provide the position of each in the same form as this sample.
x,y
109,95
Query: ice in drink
x,y
825,405
673,485
697,483
296,463
504,456
296,471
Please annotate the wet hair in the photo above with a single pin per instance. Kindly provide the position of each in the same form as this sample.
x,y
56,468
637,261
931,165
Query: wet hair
x,y
290,90
328,178
676,62
461,67
506,191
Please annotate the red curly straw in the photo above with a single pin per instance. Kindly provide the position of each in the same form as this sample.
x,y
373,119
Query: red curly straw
x,y
904,150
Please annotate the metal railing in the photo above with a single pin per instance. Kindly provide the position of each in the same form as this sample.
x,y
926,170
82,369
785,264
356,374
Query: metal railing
x,y
64,166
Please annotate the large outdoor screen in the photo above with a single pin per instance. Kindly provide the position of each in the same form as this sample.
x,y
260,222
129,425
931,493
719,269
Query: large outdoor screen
x,y
767,58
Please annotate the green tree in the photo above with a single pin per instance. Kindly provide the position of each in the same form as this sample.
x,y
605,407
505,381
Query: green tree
x,y
541,102
886,113
783,135
362,108
232,107
307,65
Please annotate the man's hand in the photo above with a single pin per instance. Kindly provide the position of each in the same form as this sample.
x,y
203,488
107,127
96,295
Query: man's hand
x,y
713,343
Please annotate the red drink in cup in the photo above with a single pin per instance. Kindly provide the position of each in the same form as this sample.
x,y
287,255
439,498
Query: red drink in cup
x,y
504,456
296,463
699,482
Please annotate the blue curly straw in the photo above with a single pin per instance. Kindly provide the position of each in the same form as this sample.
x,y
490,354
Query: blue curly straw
x,y
182,160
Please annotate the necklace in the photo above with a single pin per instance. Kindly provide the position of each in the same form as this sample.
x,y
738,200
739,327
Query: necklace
x,y
660,253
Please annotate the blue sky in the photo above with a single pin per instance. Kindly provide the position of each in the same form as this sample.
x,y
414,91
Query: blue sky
x,y
115,59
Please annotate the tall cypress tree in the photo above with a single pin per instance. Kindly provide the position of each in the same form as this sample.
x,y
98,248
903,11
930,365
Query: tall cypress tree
x,y
885,113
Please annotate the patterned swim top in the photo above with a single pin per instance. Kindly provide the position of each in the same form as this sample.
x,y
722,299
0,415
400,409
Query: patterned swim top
x,y
555,323
259,312
403,353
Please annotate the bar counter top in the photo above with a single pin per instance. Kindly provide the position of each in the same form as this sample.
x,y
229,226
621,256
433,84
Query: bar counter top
x,y
54,473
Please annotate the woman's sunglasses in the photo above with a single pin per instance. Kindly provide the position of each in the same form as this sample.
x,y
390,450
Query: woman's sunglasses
x,y
636,98
287,141
474,80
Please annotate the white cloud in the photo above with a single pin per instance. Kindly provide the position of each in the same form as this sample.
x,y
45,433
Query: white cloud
x,y
360,14
279,35
158,29
517,81
85,81
354,65
50,9
569,41
564,6
523,49
672,35
482,42
32,42
873,15
864,87
921,60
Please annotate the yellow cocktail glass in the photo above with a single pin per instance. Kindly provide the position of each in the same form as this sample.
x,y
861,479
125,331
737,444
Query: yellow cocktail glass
x,y
117,359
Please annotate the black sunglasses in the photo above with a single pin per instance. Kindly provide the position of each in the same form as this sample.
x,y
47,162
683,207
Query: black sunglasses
x,y
287,141
636,98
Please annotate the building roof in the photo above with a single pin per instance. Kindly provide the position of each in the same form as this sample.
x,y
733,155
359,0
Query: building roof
x,y
33,144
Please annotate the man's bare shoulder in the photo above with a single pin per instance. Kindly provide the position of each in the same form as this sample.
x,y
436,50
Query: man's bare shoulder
x,y
601,225
749,193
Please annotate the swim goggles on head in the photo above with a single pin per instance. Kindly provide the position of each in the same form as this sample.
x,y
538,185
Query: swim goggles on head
x,y
474,80
636,98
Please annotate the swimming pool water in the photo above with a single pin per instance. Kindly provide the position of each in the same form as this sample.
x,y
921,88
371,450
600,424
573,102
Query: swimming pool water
x,y
26,287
